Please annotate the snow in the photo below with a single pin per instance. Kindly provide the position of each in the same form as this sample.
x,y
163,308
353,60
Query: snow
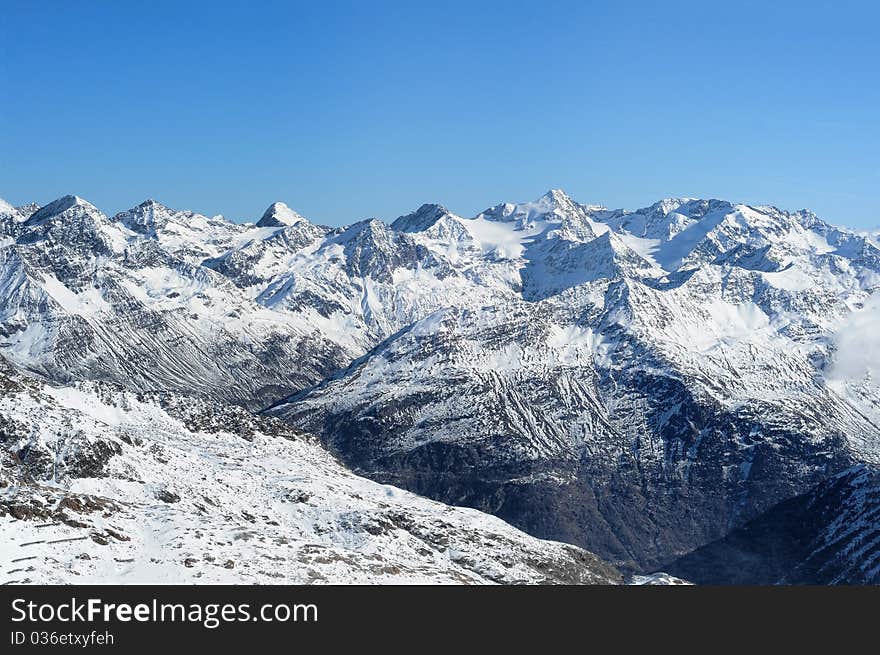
x,y
573,342
670,254
792,278
87,303
817,243
280,214
84,402
503,240
29,345
857,344
658,579
430,325
164,287
646,248
250,509
255,234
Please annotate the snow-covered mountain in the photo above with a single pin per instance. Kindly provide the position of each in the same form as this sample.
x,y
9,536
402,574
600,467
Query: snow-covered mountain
x,y
84,297
101,484
640,383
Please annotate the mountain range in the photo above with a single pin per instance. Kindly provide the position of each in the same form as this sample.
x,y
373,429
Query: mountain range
x,y
679,388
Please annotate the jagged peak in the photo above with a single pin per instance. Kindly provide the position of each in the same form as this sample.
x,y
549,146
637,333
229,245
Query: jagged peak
x,y
554,202
556,197
148,205
152,215
421,219
279,215
694,208
621,253
148,215
60,206
367,225
154,208
153,204
608,240
666,205
369,231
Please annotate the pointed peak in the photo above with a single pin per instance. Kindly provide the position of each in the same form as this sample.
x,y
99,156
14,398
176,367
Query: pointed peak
x,y
556,197
59,206
279,215
371,224
144,218
367,228
148,206
553,205
151,203
555,201
621,253
421,219
667,205
608,237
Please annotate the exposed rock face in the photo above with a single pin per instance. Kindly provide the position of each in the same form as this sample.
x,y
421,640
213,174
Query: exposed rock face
x,y
830,535
446,413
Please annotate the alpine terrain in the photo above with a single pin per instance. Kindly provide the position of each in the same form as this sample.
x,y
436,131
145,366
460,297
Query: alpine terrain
x,y
691,387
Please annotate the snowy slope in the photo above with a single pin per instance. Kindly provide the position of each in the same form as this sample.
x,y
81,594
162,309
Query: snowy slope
x,y
99,485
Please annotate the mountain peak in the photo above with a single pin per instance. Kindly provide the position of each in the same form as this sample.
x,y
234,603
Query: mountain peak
x,y
146,217
59,206
556,197
553,205
694,208
28,210
151,203
666,205
421,219
366,225
279,215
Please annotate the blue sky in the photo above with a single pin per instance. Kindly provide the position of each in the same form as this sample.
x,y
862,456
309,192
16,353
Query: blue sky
x,y
348,110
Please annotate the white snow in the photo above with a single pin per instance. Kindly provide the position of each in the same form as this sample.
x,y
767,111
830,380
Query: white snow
x,y
283,214
266,509
574,342
858,344
86,303
792,278
504,240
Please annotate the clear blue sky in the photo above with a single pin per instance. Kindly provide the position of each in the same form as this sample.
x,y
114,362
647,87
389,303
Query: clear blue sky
x,y
347,110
